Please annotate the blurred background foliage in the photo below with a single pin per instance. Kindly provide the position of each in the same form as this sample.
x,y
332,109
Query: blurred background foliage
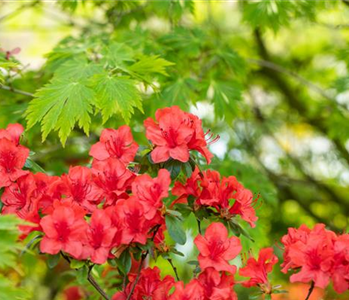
x,y
270,77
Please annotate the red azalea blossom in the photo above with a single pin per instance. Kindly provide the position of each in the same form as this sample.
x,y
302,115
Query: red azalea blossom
x,y
12,132
80,188
192,291
216,248
258,270
313,254
113,178
65,229
136,226
216,286
100,235
151,191
174,134
117,144
149,286
12,157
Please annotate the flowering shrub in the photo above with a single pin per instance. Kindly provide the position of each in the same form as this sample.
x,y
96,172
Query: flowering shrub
x,y
130,203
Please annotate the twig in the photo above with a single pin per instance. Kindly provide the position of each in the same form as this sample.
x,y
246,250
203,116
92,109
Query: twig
x,y
173,268
18,10
138,275
94,283
10,89
310,290
90,279
199,225
280,69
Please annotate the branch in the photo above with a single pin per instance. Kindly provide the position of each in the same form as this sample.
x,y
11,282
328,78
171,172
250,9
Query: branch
x,y
10,89
291,98
18,10
138,275
90,279
173,268
312,285
280,69
94,283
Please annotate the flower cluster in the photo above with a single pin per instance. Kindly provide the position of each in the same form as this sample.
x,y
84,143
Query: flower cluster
x,y
216,280
114,211
225,194
176,133
319,254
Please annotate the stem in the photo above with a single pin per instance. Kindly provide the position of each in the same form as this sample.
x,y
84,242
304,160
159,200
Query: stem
x,y
199,225
173,268
96,285
90,279
138,275
310,290
10,89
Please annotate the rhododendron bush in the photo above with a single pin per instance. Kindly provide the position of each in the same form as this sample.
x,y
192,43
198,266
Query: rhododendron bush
x,y
125,210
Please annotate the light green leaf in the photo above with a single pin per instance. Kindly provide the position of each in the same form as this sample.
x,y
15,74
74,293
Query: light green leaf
x,y
225,97
174,227
116,95
60,105
149,65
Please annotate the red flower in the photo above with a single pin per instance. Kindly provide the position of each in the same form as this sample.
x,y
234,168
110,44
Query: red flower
x,y
17,198
217,287
192,291
151,191
80,188
243,206
136,226
149,286
113,178
190,188
65,229
13,133
12,160
216,248
340,269
116,144
48,189
174,134
314,257
258,270
100,235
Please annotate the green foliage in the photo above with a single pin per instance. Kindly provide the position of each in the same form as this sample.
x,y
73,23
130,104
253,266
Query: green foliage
x,y
9,248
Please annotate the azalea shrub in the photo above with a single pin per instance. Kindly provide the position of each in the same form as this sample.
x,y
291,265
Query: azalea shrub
x,y
125,209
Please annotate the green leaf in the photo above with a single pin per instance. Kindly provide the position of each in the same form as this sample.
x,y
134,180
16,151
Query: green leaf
x,y
149,65
116,95
238,229
5,65
60,105
116,54
32,165
81,275
8,290
174,167
175,230
124,262
267,297
225,98
179,92
53,260
76,264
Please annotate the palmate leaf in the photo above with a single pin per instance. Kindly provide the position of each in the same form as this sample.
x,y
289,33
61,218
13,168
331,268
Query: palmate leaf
x,y
116,95
225,97
8,290
147,66
60,105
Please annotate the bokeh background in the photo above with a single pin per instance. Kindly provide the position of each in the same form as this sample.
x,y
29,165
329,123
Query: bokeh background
x,y
270,77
